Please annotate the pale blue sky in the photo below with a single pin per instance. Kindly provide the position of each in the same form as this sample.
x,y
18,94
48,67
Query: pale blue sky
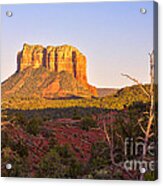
x,y
115,37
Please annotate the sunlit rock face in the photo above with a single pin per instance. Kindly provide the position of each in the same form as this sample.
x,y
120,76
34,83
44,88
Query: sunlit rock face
x,y
55,59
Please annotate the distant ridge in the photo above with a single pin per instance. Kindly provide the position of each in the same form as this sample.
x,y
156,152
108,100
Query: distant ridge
x,y
102,92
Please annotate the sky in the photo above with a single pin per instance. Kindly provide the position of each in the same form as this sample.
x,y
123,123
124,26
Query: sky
x,y
114,36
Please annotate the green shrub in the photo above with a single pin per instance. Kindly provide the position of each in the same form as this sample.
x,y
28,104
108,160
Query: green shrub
x,y
33,126
59,162
76,115
87,123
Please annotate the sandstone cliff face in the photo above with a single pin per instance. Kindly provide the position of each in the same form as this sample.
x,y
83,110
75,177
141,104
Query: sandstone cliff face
x,y
55,59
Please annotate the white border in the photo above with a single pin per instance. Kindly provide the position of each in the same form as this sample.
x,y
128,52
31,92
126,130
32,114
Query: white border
x,y
47,182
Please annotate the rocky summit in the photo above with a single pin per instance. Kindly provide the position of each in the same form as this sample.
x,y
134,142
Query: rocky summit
x,y
56,59
49,72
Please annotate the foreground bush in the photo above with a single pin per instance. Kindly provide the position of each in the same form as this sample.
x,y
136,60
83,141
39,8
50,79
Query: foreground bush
x,y
59,162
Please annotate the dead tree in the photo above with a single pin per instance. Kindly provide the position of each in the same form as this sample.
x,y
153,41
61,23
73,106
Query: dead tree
x,y
146,130
151,95
109,135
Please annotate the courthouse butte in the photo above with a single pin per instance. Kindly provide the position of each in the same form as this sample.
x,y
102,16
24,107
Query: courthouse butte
x,y
50,72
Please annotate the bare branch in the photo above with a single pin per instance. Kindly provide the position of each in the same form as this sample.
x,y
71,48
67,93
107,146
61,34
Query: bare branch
x,y
152,134
148,133
136,81
142,128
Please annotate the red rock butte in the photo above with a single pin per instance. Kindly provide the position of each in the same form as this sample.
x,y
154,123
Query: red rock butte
x,y
55,59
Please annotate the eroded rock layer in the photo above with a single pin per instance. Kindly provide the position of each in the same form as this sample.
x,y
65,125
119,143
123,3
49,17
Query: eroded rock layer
x,y
57,59
31,61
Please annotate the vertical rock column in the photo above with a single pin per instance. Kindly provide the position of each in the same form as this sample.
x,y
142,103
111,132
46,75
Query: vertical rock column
x,y
81,69
50,58
37,57
64,59
30,56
